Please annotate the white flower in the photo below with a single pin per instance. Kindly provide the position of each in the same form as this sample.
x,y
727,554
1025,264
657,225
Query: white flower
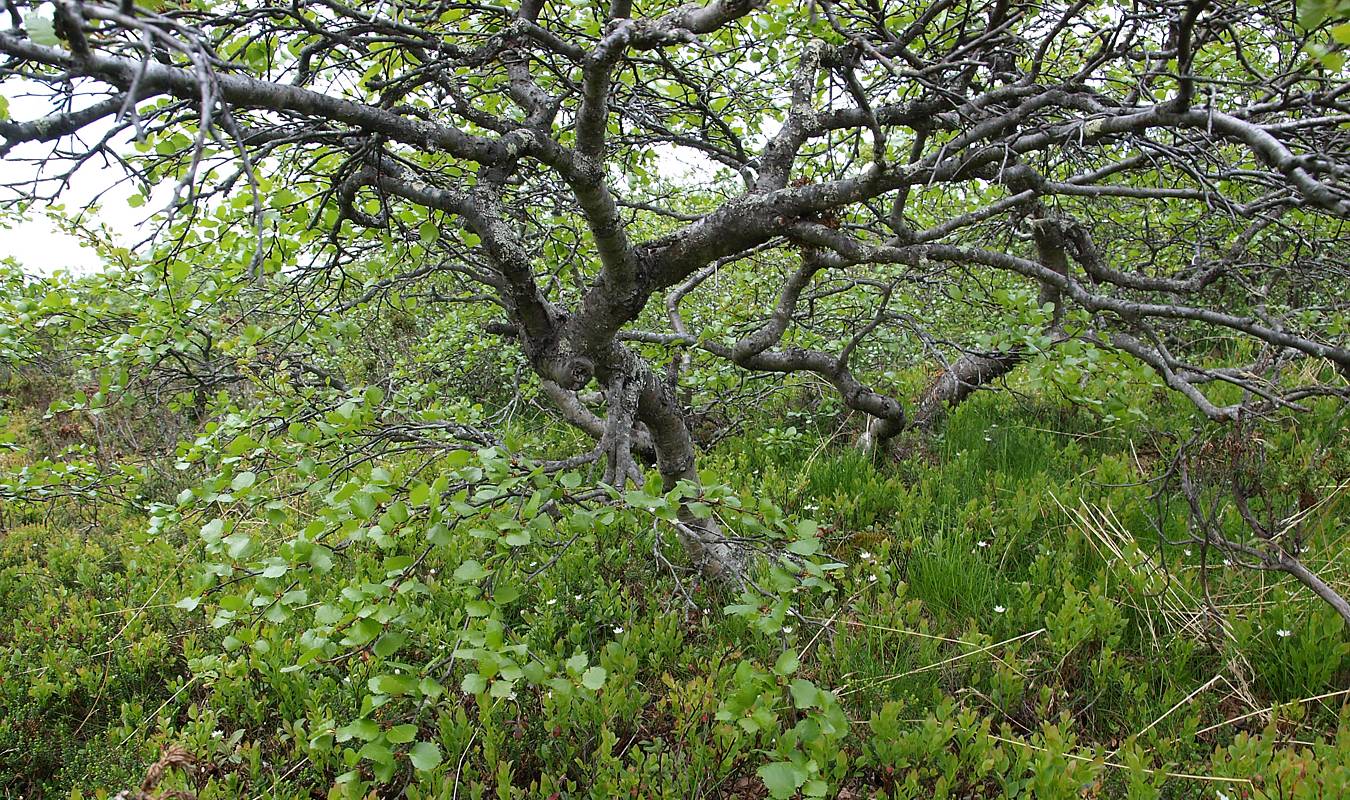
x,y
617,630
552,601
871,578
999,609
1228,562
865,556
787,629
1188,551
981,543
988,438
576,597
432,570
1284,633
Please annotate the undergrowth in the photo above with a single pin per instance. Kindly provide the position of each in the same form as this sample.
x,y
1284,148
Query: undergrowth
x,y
1010,623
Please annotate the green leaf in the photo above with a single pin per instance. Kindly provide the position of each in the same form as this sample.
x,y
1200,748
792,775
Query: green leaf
x,y
243,480
781,778
470,571
236,545
363,729
363,505
804,693
374,751
473,683
401,734
392,684
439,535
804,547
212,531
363,631
425,755
41,30
389,644
787,663
593,678
321,559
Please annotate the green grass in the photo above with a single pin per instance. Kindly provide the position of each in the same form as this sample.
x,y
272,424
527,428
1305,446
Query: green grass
x,y
981,643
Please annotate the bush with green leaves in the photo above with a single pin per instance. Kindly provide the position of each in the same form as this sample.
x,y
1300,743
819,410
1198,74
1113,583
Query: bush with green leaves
x,y
480,624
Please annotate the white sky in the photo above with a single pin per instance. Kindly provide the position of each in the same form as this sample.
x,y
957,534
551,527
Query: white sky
x,y
40,247
35,242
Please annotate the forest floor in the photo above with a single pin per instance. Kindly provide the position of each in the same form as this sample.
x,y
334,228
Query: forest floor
x,y
1008,624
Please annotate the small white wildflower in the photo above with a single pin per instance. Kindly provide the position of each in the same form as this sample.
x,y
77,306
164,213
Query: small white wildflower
x,y
1228,562
617,630
981,543
787,629
576,597
432,571
1188,551
552,601
865,556
988,438
1284,633
534,563
999,609
871,579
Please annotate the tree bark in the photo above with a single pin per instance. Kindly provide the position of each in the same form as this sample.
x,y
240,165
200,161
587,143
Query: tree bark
x,y
957,382
718,557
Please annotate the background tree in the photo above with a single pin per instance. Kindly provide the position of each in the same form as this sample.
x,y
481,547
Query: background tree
x,y
1166,182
